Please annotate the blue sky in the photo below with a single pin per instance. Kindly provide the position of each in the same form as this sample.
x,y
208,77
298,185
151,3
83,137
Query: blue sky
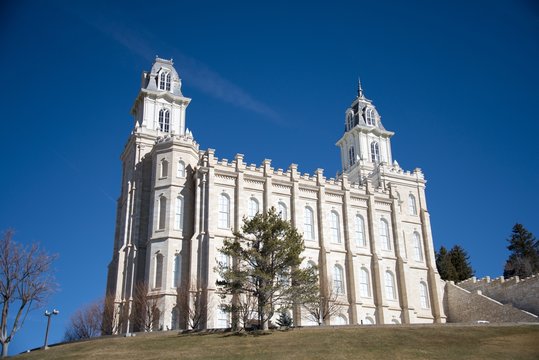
x,y
456,81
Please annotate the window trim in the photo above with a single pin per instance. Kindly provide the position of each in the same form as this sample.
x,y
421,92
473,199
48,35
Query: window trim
x,y
308,220
360,235
338,280
223,214
178,213
389,285
180,171
375,152
385,235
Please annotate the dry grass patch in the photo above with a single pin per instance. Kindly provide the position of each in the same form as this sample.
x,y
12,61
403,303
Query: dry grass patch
x,y
390,342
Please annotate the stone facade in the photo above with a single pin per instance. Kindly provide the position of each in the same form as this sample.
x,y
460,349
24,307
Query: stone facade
x,y
521,293
368,230
463,306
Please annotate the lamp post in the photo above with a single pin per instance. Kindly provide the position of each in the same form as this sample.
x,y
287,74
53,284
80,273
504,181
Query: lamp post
x,y
48,314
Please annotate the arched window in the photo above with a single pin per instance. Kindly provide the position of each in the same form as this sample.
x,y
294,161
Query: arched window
x,y
178,214
412,209
164,120
164,81
223,321
181,169
283,213
418,249
371,119
253,207
368,321
177,271
390,286
174,319
335,227
162,214
158,278
339,320
338,280
423,295
375,152
364,283
164,168
223,262
395,321
308,226
385,239
224,211
360,231
351,156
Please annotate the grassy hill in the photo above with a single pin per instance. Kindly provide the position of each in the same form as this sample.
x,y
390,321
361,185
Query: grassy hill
x,y
376,342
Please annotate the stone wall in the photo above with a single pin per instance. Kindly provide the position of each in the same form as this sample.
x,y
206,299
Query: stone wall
x,y
521,293
463,306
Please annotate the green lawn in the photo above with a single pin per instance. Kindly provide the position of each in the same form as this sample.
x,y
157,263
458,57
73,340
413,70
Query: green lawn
x,y
377,342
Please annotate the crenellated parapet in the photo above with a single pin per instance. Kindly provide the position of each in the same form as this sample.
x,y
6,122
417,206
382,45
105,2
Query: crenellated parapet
x,y
522,293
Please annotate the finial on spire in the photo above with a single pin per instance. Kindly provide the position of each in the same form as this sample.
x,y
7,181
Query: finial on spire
x,y
359,88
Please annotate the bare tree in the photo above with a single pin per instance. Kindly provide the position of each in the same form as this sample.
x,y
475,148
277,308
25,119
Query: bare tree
x,y
323,307
114,316
86,322
26,281
191,302
145,314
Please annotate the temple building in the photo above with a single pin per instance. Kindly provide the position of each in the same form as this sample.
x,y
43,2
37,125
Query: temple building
x,y
367,230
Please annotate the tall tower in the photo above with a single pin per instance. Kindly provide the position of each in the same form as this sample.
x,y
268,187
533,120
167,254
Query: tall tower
x,y
365,143
156,196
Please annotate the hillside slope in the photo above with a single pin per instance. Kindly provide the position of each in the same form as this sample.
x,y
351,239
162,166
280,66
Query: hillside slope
x,y
377,342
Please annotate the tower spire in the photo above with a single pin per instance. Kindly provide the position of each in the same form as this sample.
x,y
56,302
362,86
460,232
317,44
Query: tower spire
x,y
359,88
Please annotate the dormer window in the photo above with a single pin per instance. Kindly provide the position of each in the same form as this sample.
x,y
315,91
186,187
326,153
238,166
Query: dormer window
x,y
371,119
164,81
164,120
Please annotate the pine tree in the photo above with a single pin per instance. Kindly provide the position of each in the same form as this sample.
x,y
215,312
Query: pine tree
x,y
524,258
284,320
445,267
461,263
453,265
267,266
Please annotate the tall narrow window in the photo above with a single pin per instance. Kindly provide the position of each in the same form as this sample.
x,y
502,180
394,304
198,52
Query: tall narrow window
x,y
390,286
338,280
177,271
178,215
164,168
418,249
349,122
423,295
371,119
162,215
360,232
222,319
335,227
167,82
223,263
308,226
224,211
283,213
253,207
412,208
164,120
375,152
364,283
164,81
385,240
181,169
351,156
158,278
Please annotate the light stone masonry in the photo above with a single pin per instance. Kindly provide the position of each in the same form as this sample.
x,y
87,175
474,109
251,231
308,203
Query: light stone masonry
x,y
368,228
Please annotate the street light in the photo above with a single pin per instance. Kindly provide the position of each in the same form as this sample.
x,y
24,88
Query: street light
x,y
48,314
